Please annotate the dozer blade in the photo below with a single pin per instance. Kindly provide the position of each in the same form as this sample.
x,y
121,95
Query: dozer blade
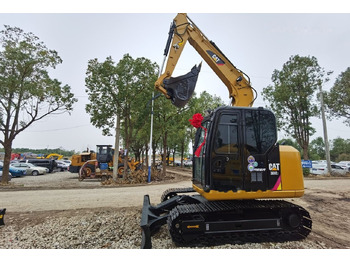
x,y
2,213
181,88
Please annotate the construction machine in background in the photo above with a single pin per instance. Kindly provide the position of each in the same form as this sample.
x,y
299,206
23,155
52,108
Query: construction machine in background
x,y
99,164
53,156
238,167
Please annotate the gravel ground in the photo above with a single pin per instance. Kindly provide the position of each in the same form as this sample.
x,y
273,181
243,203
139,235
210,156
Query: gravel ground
x,y
101,228
118,228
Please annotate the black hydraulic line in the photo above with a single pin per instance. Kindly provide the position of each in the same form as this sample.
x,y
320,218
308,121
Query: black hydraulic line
x,y
170,37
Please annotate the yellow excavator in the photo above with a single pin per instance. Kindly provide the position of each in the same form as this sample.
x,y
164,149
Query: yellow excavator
x,y
238,166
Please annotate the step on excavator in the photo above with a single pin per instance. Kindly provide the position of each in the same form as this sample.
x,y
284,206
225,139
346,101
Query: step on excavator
x,y
240,173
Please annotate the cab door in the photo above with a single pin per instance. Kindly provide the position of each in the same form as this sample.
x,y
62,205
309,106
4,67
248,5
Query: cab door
x,y
226,162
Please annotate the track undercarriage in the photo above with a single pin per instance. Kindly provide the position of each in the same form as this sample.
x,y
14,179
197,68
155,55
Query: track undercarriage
x,y
195,221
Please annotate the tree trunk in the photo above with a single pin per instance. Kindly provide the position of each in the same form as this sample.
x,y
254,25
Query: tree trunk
x,y
174,164
116,149
305,152
7,159
165,154
182,154
154,147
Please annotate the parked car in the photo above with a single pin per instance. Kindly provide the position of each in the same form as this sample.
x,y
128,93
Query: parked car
x,y
345,165
177,163
62,165
68,162
31,169
188,163
15,172
9,179
321,169
48,163
338,170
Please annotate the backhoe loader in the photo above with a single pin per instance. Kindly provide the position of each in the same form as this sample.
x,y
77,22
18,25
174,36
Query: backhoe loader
x,y
238,166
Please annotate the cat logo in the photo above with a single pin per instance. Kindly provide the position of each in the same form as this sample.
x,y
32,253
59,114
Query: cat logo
x,y
274,166
216,58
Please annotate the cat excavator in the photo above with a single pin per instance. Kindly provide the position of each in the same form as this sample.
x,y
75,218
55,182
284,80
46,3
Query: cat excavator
x,y
240,173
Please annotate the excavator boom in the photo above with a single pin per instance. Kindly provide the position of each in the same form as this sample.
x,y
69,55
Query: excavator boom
x,y
180,89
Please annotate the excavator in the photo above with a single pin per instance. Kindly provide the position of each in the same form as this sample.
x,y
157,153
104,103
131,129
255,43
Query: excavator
x,y
240,173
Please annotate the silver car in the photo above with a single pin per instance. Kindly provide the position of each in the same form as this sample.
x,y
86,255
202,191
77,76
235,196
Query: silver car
x,y
9,176
31,169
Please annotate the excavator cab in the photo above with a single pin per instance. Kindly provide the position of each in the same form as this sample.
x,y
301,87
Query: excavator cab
x,y
239,146
237,166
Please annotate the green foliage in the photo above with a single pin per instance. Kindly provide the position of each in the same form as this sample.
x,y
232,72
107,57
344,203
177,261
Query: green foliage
x,y
317,149
102,91
124,90
292,97
338,99
25,85
340,149
45,151
290,142
27,93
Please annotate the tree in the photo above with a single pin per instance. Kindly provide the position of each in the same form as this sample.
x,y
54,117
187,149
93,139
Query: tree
x,y
289,142
27,93
340,149
202,105
121,90
338,99
317,149
165,118
292,97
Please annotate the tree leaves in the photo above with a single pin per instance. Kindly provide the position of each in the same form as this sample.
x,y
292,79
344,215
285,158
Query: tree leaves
x,y
292,96
25,85
338,99
27,93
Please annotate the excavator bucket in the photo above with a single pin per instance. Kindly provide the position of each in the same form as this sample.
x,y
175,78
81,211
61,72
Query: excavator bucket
x,y
181,88
2,213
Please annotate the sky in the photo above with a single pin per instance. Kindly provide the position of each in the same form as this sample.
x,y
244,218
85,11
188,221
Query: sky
x,y
257,41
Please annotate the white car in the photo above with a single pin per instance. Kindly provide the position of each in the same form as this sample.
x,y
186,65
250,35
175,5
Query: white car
x,y
62,165
338,170
188,163
345,165
321,169
68,162
30,168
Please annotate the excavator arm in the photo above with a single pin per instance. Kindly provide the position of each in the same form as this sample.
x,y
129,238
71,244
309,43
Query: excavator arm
x,y
180,89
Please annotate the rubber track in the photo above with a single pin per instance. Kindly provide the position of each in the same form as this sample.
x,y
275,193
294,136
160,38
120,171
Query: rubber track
x,y
173,191
282,235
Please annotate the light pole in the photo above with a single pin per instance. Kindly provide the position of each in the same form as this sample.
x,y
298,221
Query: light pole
x,y
326,144
166,50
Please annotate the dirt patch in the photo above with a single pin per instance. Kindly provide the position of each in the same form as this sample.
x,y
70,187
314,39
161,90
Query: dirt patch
x,y
330,214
